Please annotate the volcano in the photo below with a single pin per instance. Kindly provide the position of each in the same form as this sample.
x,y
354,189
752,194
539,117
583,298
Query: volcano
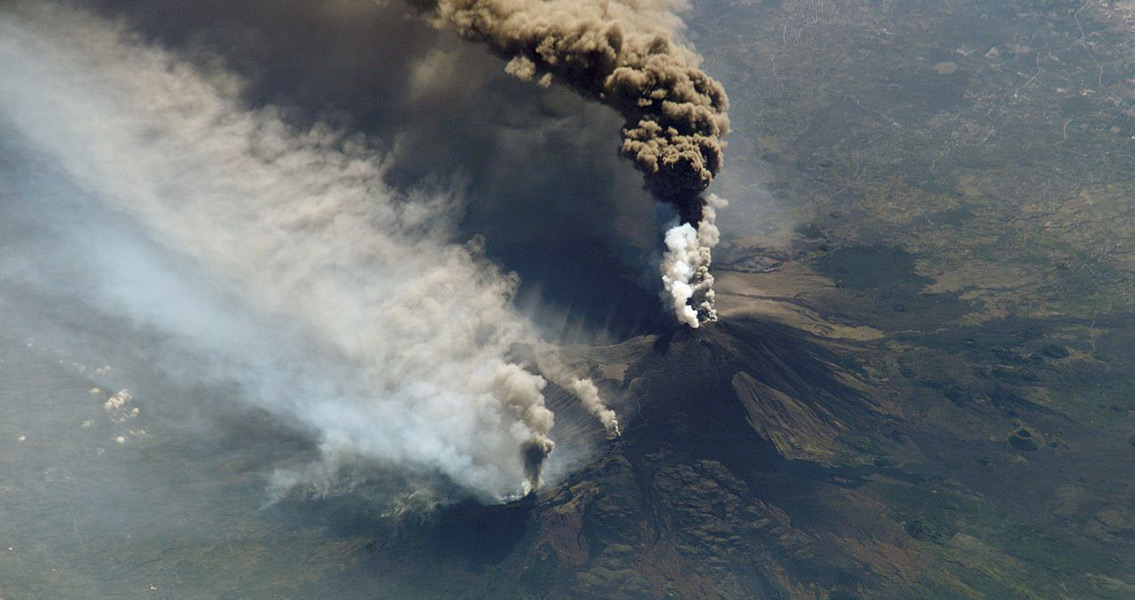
x,y
296,298
771,455
739,476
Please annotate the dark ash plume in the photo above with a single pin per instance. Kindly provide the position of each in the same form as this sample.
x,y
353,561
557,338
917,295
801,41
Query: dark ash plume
x,y
625,56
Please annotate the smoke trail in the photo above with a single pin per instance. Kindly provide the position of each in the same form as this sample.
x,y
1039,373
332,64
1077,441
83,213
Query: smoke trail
x,y
328,297
588,395
552,365
623,54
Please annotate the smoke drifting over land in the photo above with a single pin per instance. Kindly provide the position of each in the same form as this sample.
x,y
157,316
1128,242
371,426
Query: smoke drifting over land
x,y
535,166
277,256
279,189
624,55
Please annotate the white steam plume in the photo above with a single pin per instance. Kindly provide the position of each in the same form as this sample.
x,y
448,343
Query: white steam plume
x,y
285,261
685,266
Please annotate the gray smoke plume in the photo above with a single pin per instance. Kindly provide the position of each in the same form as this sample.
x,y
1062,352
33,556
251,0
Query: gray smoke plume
x,y
625,55
556,369
534,165
278,256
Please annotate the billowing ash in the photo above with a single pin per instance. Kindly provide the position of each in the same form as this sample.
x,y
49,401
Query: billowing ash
x,y
625,55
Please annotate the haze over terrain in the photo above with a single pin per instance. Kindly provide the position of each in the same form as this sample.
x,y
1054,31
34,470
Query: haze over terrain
x,y
306,297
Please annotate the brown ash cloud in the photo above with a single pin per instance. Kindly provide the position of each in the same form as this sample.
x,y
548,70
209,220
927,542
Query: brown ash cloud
x,y
626,56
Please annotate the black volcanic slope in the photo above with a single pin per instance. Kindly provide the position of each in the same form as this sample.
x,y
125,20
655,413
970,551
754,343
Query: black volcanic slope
x,y
736,478
760,461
